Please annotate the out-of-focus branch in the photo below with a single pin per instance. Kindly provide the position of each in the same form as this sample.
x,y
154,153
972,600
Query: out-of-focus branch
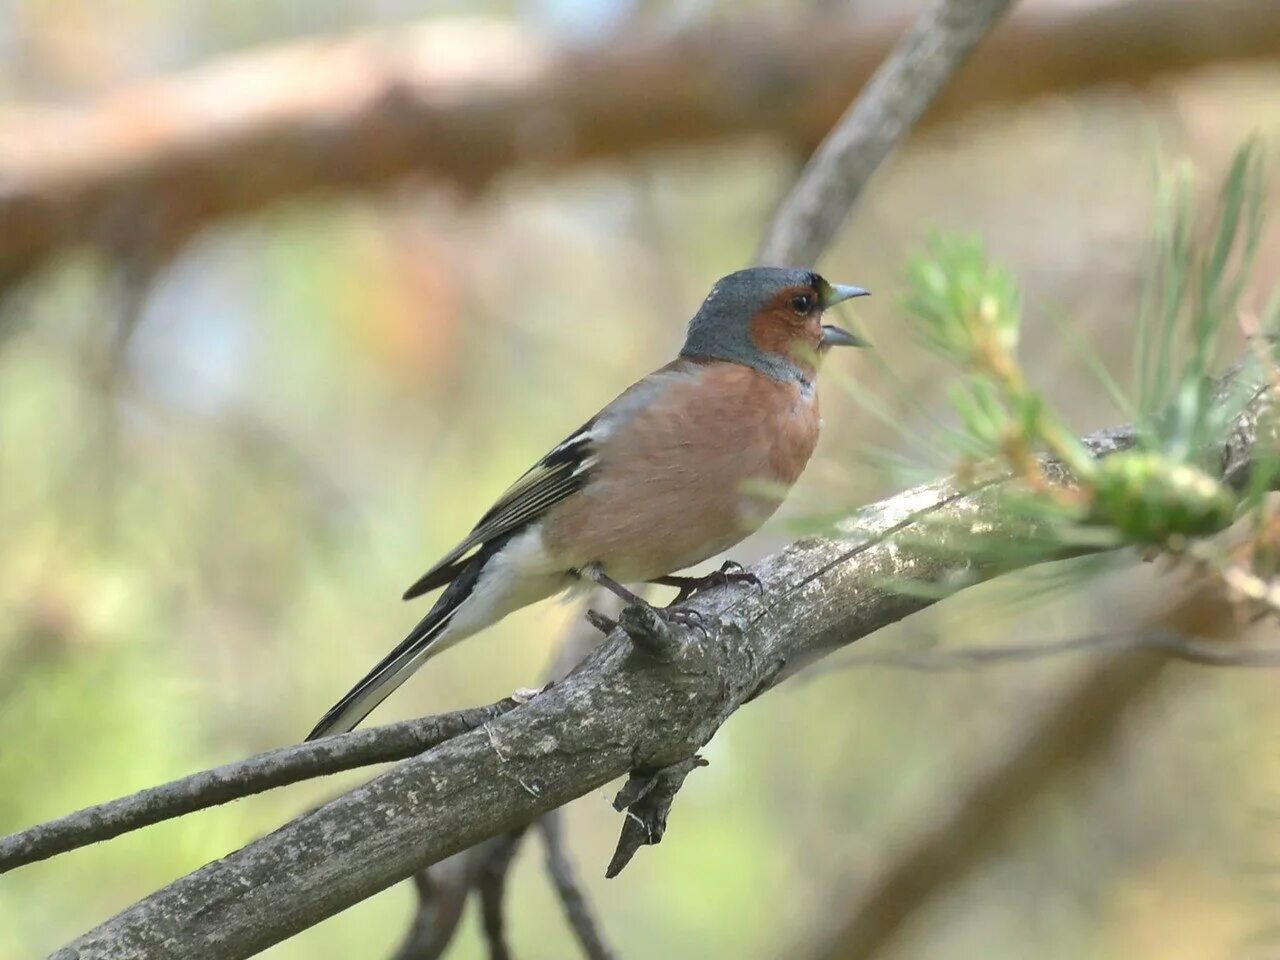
x,y
491,885
463,102
442,892
576,909
899,93
974,816
968,823
1172,645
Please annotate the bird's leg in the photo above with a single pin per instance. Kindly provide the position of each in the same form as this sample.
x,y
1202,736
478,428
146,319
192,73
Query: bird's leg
x,y
593,573
729,572
686,618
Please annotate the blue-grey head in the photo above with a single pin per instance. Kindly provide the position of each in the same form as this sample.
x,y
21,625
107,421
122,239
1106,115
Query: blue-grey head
x,y
770,318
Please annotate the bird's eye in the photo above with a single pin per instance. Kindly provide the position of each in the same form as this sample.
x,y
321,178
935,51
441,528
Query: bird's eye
x,y
802,303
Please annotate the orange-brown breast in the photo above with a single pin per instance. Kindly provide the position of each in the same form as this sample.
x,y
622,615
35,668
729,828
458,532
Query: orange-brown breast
x,y
699,455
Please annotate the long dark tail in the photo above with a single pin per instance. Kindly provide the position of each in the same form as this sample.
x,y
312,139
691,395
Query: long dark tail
x,y
413,650
394,670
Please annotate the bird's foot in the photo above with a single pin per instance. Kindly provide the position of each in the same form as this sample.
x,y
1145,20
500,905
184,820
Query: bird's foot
x,y
660,631
682,617
648,627
729,572
646,619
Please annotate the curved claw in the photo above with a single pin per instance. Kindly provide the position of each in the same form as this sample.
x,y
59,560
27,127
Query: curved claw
x,y
685,618
733,572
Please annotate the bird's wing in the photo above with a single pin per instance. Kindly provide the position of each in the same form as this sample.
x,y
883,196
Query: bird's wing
x,y
560,473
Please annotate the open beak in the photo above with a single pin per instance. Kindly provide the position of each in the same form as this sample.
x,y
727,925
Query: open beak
x,y
837,336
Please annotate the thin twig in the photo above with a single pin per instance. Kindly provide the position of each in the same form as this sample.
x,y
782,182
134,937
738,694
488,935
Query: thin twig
x,y
491,885
576,909
1171,644
902,88
442,894
968,821
209,788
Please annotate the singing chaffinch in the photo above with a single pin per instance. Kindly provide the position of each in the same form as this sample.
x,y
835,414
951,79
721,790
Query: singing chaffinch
x,y
670,473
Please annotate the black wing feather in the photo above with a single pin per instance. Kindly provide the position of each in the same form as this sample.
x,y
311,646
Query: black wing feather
x,y
558,475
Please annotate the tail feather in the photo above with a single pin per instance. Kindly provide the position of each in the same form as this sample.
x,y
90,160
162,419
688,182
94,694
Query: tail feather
x,y
421,643
383,679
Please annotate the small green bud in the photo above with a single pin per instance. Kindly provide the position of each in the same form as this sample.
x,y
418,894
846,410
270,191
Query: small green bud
x,y
1149,498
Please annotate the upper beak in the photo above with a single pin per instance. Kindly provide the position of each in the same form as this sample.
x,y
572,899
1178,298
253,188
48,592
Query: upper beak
x,y
839,293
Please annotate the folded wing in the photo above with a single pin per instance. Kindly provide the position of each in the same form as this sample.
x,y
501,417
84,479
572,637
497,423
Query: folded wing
x,y
556,476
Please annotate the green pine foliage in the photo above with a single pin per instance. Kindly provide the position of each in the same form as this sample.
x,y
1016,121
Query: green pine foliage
x,y
1166,491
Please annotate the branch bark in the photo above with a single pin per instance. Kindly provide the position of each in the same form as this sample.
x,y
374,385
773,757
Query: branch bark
x,y
618,711
143,169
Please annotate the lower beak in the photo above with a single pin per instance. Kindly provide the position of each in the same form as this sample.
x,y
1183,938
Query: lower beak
x,y
840,337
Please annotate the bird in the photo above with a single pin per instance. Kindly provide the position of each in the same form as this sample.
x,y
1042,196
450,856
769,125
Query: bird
x,y
683,465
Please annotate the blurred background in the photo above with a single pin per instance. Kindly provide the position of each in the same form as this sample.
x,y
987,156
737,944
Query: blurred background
x,y
270,341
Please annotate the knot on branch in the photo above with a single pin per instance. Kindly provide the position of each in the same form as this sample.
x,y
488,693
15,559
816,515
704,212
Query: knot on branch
x,y
651,632
646,798
660,633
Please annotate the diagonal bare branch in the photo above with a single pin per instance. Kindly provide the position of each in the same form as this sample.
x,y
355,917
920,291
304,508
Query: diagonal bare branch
x,y
902,88
444,888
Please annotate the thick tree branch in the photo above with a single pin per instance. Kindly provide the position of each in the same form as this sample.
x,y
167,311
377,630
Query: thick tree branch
x,y
899,93
618,711
146,167
276,768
